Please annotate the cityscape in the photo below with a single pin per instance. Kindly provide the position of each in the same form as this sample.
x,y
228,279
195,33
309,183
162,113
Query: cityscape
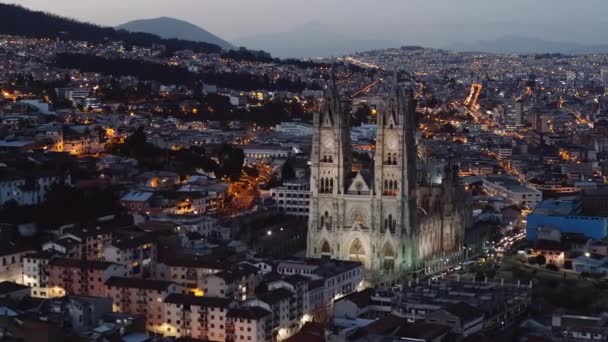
x,y
172,188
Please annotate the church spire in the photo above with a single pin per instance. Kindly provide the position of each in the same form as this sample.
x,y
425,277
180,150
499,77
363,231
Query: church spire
x,y
331,102
394,103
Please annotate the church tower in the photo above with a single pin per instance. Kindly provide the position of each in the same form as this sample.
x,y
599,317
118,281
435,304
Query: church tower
x,y
395,181
331,164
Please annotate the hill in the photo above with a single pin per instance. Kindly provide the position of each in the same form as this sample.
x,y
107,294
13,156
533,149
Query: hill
x,y
168,28
19,21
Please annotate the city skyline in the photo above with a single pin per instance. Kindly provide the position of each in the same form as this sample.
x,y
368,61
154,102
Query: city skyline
x,y
438,23
166,186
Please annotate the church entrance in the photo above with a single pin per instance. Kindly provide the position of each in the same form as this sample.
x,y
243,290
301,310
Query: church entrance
x,y
325,250
357,252
389,258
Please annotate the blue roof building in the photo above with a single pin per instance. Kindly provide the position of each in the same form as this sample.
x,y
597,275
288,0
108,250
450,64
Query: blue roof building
x,y
567,216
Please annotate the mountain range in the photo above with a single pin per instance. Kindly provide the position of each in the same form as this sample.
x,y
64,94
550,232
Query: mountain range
x,y
19,21
313,39
528,45
168,28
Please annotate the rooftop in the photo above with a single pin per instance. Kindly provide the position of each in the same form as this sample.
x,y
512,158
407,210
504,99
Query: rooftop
x,y
557,207
183,299
7,287
135,283
249,312
80,263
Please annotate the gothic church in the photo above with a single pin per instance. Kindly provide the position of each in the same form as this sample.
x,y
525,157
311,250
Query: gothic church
x,y
390,218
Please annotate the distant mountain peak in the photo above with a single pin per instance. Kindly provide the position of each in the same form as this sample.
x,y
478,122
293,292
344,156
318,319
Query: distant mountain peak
x,y
167,27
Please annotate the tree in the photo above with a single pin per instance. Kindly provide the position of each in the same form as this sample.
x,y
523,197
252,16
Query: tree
x,y
362,114
231,161
287,172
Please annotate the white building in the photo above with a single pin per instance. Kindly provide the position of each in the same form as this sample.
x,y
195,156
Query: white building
x,y
35,273
294,128
512,190
29,191
264,153
11,262
40,106
278,302
339,277
292,198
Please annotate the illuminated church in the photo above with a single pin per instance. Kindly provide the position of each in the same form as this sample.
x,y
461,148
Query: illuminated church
x,y
391,218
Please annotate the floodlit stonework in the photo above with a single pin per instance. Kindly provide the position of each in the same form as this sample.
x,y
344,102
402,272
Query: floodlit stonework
x,y
391,218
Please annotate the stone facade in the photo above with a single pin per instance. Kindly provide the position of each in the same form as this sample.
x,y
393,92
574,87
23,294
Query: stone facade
x,y
386,217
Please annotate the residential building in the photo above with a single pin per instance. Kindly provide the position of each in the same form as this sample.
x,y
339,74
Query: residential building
x,y
142,297
189,316
249,323
284,321
136,253
11,261
339,277
239,282
189,272
81,277
35,272
92,240
67,246
29,190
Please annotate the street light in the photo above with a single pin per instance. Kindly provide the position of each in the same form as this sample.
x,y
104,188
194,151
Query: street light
x,y
269,232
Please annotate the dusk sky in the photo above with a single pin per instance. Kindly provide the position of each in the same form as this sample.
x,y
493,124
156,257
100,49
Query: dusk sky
x,y
423,22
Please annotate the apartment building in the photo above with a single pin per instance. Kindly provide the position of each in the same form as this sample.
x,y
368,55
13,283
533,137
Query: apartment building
x,y
139,296
81,277
137,253
189,316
